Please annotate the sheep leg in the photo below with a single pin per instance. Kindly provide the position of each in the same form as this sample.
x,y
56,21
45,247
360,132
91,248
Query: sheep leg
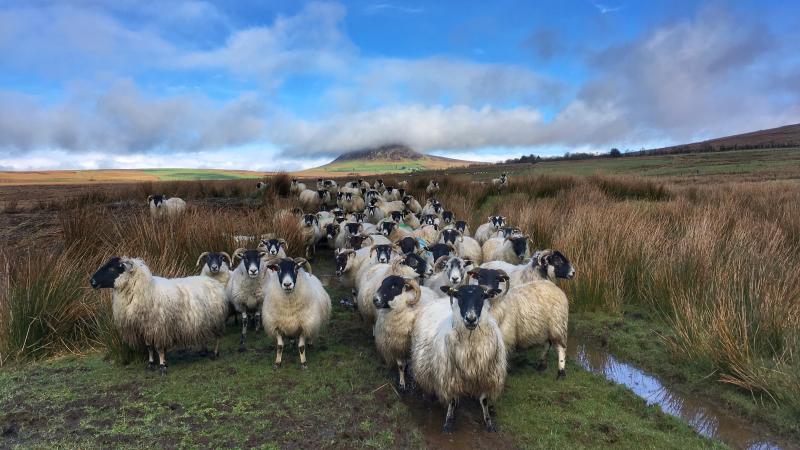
x,y
215,355
562,359
401,370
543,357
449,418
162,362
258,321
487,417
279,354
150,363
244,331
301,346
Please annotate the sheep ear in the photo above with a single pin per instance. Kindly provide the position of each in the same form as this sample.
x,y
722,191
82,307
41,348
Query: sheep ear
x,y
237,254
262,254
445,289
282,242
492,293
473,273
273,267
149,197
202,255
467,262
302,262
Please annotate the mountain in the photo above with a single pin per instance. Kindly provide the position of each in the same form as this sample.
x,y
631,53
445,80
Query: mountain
x,y
391,158
785,136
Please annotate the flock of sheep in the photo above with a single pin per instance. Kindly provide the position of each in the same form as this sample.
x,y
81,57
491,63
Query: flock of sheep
x,y
444,305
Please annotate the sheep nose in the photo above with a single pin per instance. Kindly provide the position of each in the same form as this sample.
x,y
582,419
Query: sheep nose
x,y
287,285
455,279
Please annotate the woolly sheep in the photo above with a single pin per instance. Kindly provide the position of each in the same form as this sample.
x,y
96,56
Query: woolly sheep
x,y
501,182
370,278
296,305
544,264
245,287
396,302
459,352
162,313
411,219
310,233
311,200
412,204
463,227
486,230
466,247
433,206
433,187
374,214
514,249
297,187
448,271
161,206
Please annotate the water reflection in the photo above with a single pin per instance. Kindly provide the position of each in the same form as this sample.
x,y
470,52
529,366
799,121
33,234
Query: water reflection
x,y
701,415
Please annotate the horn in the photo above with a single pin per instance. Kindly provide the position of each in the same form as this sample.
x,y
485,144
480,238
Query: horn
x,y
237,254
303,262
227,256
440,262
372,250
508,281
282,242
202,255
397,248
460,235
452,247
149,197
417,291
396,266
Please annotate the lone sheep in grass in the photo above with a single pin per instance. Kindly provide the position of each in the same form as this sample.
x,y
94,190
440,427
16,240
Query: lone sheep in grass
x,y
161,206
433,187
162,313
296,305
459,351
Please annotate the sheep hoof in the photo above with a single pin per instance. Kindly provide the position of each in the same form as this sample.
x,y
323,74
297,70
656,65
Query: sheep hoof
x,y
276,366
303,366
447,428
542,366
163,369
561,374
215,355
490,428
151,365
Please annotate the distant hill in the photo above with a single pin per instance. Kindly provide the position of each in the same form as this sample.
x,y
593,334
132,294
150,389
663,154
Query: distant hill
x,y
391,158
785,136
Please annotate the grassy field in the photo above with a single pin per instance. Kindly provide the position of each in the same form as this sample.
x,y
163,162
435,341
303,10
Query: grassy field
x,y
120,176
711,267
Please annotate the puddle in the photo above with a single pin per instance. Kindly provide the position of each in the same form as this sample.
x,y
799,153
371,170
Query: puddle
x,y
705,417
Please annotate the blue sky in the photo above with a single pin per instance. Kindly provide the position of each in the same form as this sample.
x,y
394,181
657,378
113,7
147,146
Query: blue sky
x,y
285,85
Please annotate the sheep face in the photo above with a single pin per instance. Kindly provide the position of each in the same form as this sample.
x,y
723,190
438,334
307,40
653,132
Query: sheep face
x,y
407,198
358,217
386,228
449,235
338,212
353,228
340,196
343,259
461,225
357,240
273,246
439,250
408,244
554,264
520,246
419,265
310,219
455,269
214,260
287,271
497,221
391,287
371,211
490,278
402,193
471,300
382,252
429,219
323,194
330,231
396,216
372,194
447,217
251,259
107,275
157,200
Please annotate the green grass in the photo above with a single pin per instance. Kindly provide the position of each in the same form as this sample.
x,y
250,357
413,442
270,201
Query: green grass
x,y
376,166
197,174
637,336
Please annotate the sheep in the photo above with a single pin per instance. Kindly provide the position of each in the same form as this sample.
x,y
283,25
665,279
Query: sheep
x,y
466,247
486,230
357,241
325,218
274,247
433,206
387,207
396,302
358,217
409,244
350,202
262,186
448,271
310,233
297,187
329,233
374,214
296,305
506,232
448,218
433,187
536,313
459,352
370,277
463,227
403,184
162,313
429,233
379,186
311,200
392,194
217,266
514,249
501,182
396,217
411,219
544,264
244,287
347,229
393,231
412,204
161,206
439,250
429,219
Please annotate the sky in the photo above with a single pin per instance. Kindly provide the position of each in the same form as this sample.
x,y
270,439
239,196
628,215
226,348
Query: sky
x,y
261,85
